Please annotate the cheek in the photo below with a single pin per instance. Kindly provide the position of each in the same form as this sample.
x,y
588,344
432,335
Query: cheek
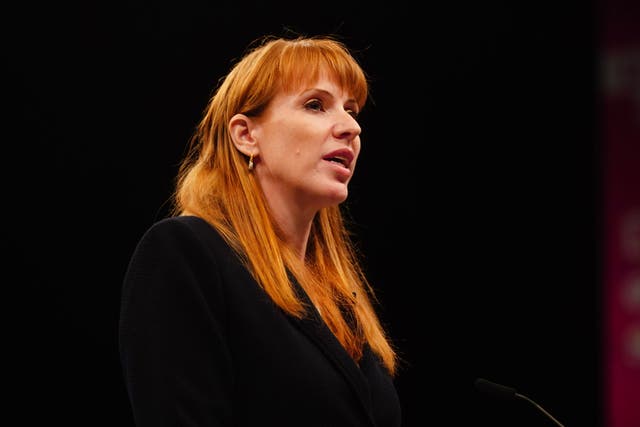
x,y
302,145
278,141
293,139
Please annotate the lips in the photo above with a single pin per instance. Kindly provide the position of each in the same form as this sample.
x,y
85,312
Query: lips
x,y
343,157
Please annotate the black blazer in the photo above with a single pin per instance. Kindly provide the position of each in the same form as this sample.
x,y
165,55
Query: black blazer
x,y
202,344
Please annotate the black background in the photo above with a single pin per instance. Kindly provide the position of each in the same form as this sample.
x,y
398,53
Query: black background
x,y
477,197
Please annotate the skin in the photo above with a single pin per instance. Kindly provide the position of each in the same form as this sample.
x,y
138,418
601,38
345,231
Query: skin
x,y
305,147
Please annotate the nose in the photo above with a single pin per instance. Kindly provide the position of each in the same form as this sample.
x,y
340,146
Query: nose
x,y
347,127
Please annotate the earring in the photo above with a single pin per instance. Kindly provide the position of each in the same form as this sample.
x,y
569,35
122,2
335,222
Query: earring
x,y
251,162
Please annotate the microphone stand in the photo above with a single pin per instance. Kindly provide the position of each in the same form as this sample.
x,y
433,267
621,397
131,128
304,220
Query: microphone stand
x,y
522,396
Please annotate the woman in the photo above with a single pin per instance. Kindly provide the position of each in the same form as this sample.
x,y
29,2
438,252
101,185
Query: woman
x,y
248,305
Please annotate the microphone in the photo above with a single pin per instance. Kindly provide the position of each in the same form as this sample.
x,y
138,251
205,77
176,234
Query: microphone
x,y
504,392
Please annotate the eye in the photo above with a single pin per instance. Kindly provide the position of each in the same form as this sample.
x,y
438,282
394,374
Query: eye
x,y
352,113
314,104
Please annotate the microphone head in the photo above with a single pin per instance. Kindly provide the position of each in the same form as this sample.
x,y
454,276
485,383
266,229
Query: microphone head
x,y
496,390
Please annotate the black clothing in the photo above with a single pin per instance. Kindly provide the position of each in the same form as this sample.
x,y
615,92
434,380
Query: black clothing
x,y
202,345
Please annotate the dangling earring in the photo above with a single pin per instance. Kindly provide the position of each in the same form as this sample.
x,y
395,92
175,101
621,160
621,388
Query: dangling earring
x,y
251,162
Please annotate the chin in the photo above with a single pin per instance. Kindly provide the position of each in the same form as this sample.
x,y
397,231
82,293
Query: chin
x,y
331,195
338,196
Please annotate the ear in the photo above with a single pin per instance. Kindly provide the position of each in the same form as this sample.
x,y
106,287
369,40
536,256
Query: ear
x,y
240,129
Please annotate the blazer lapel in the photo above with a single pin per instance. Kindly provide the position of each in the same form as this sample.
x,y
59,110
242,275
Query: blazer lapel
x,y
314,326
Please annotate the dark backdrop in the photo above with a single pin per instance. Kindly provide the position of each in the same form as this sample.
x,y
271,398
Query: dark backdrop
x,y
476,198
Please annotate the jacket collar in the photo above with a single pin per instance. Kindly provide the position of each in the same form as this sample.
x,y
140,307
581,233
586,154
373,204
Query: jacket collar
x,y
317,330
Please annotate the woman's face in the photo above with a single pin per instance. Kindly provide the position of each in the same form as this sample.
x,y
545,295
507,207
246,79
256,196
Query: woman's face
x,y
308,143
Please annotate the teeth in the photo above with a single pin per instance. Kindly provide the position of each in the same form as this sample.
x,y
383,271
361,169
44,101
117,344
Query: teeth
x,y
341,160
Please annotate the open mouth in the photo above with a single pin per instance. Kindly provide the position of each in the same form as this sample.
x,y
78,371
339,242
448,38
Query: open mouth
x,y
340,160
342,157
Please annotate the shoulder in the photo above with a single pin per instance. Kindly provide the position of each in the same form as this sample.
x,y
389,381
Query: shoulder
x,y
177,225
181,253
187,239
181,230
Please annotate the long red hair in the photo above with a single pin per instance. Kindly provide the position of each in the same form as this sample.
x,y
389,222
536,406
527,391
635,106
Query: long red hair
x,y
213,183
